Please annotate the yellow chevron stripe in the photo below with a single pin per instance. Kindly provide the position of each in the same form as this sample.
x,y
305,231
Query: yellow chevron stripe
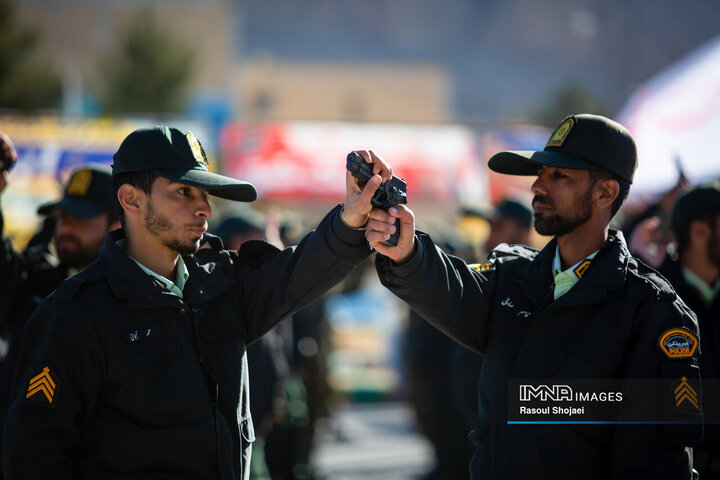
x,y
44,383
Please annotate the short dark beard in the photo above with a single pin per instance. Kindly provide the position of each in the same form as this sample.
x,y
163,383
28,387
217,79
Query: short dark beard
x,y
555,225
156,224
79,258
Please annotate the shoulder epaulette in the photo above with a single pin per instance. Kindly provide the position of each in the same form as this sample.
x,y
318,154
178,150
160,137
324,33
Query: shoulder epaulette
x,y
482,267
662,288
70,286
506,250
255,252
211,241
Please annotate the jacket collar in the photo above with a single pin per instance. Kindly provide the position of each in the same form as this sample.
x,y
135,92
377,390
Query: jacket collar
x,y
607,272
127,280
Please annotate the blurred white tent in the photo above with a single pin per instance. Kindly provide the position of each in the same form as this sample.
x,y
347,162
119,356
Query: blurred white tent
x,y
675,117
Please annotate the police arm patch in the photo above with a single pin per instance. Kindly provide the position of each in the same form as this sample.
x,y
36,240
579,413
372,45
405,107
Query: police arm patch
x,y
678,343
42,388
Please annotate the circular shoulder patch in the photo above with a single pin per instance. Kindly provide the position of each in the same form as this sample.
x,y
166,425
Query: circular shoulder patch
x,y
678,343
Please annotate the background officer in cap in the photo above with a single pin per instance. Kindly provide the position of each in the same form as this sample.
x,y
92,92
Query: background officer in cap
x,y
693,269
80,220
136,366
510,222
582,307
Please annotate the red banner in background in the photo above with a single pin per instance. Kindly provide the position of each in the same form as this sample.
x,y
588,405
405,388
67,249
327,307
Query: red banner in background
x,y
306,160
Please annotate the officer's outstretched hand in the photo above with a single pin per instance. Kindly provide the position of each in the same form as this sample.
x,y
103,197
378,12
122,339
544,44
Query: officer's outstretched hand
x,y
357,202
382,224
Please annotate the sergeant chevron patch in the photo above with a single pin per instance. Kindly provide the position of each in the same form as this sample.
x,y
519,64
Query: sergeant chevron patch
x,y
41,389
685,396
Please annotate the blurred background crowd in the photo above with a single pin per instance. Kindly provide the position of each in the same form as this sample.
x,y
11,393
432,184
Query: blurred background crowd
x,y
278,92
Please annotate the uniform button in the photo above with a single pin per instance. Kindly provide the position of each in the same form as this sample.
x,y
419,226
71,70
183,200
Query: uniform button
x,y
182,310
195,309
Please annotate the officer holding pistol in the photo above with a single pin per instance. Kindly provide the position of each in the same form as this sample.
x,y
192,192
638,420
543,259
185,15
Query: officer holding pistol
x,y
581,308
136,366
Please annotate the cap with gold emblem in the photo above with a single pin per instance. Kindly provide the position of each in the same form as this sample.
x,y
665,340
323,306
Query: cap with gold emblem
x,y
176,155
584,141
88,193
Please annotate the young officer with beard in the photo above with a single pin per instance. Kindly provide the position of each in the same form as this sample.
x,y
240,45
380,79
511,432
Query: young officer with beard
x,y
582,308
136,367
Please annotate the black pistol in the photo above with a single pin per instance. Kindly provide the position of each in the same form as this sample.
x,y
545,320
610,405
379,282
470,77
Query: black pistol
x,y
388,194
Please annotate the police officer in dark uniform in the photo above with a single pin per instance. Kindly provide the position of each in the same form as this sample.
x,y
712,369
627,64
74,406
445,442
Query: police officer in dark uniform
x,y
136,366
582,308
70,239
694,271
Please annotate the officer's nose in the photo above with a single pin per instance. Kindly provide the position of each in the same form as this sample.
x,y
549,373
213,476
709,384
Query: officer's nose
x,y
204,209
538,186
64,221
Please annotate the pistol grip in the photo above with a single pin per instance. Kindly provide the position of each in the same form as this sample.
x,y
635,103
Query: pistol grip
x,y
393,240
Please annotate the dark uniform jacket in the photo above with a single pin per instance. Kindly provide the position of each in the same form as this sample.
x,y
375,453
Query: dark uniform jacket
x,y
118,378
607,326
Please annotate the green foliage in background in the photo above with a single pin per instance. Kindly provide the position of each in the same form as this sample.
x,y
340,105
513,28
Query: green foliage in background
x,y
149,70
26,83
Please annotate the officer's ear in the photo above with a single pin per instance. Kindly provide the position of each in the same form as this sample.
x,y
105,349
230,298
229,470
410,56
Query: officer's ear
x,y
607,190
131,199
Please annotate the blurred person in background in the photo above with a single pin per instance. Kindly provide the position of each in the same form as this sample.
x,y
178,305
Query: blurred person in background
x,y
582,308
80,221
510,223
427,353
445,404
267,362
12,274
136,366
650,232
12,263
694,271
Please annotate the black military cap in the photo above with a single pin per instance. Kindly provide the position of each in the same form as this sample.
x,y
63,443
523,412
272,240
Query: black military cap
x,y
240,223
177,155
584,141
697,204
88,193
507,208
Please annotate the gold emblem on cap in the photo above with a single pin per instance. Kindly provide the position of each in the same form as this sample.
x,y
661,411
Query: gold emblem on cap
x,y
79,183
196,148
560,133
